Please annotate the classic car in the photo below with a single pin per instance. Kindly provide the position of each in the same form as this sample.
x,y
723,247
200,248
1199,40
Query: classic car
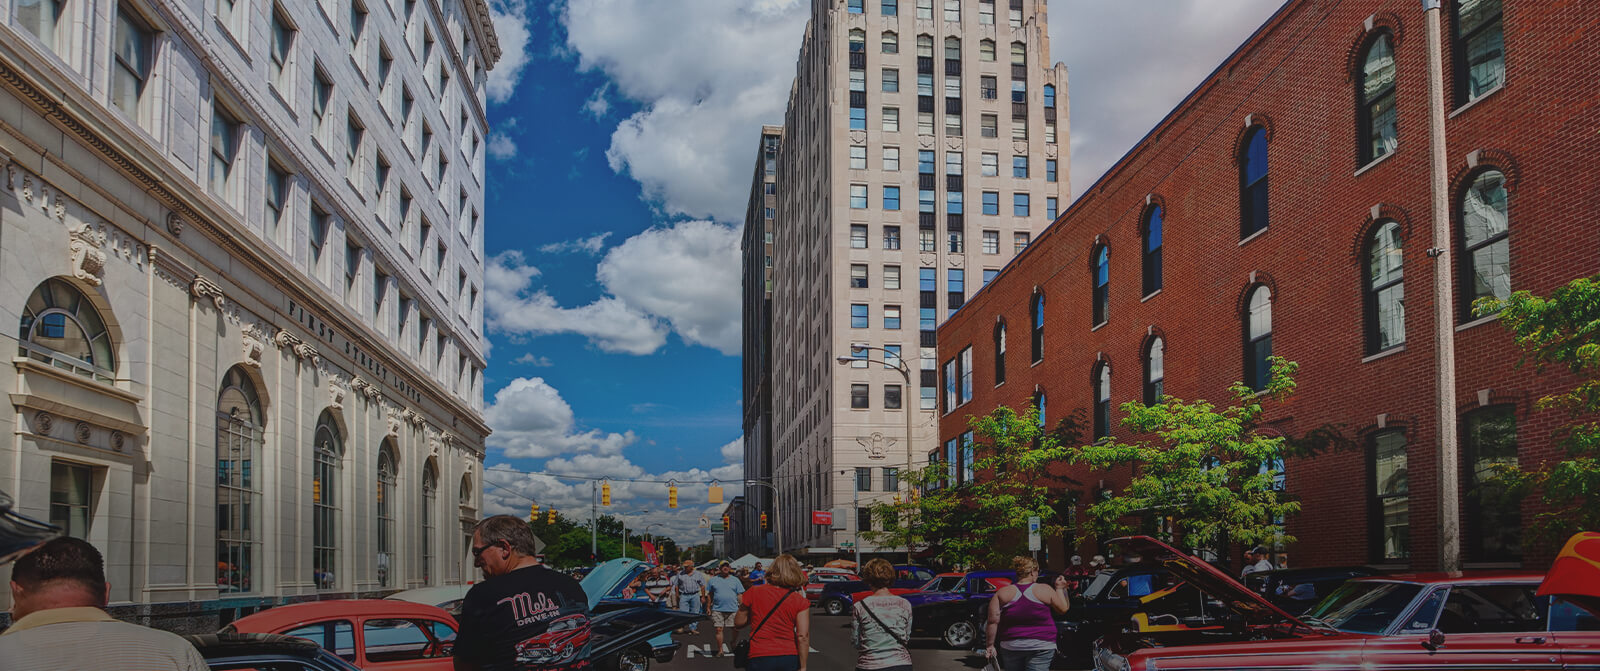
x,y
1298,589
819,579
947,607
448,597
836,598
1500,620
604,585
250,652
559,644
367,633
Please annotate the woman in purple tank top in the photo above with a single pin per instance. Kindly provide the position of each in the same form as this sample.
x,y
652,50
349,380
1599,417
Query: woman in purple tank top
x,y
1022,626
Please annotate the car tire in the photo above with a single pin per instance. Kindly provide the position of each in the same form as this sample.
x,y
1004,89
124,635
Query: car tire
x,y
960,635
833,607
633,659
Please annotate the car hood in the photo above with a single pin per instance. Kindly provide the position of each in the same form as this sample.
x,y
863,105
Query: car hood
x,y
608,579
1252,606
1575,574
618,630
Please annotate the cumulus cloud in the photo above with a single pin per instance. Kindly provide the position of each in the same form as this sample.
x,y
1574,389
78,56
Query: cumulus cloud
x,y
598,105
531,420
590,245
501,146
530,359
515,307
511,26
703,97
733,452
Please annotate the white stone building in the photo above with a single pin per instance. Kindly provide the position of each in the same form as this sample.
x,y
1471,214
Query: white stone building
x,y
924,145
243,242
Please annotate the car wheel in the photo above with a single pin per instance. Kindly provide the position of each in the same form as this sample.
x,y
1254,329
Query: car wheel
x,y
960,635
833,607
634,659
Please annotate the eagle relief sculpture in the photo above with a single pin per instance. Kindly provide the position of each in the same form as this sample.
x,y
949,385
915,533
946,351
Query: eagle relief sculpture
x,y
876,445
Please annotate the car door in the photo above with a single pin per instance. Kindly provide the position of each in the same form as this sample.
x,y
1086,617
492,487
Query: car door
x,y
1484,626
402,644
336,636
1577,632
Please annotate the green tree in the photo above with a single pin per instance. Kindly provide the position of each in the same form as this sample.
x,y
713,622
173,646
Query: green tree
x,y
1563,330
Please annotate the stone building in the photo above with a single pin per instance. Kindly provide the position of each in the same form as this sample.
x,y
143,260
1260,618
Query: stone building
x,y
755,248
244,245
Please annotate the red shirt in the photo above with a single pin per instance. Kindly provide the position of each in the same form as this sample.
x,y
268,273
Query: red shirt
x,y
776,637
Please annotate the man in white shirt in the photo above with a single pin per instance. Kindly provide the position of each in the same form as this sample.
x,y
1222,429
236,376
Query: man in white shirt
x,y
1256,562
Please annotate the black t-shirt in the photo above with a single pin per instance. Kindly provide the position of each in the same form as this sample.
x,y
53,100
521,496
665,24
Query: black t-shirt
x,y
531,618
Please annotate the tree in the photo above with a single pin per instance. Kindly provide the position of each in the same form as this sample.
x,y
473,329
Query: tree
x,y
1563,330
1208,472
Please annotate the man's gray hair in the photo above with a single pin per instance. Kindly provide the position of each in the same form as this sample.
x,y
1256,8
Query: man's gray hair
x,y
509,528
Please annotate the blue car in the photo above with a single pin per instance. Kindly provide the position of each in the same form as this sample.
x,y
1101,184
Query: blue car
x,y
838,597
604,585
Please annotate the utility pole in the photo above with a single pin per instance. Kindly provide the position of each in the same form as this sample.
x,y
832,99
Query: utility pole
x,y
1444,301
594,522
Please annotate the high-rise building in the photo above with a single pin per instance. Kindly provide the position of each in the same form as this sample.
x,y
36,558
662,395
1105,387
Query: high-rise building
x,y
915,161
756,251
244,245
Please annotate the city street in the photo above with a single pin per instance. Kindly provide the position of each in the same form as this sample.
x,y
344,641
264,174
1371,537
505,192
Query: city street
x,y
831,649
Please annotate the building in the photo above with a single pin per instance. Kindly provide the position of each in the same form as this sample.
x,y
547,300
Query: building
x,y
244,244
1285,207
873,181
756,253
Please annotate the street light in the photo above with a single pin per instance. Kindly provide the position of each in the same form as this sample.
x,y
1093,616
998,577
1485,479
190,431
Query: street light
x,y
905,404
777,508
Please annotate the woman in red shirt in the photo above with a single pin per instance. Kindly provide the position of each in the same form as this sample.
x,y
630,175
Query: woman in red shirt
x,y
781,618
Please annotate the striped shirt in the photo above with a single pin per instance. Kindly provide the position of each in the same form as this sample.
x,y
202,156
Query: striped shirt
x,y
73,639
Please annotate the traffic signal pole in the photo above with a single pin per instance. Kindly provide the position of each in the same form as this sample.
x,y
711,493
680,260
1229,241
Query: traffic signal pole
x,y
594,523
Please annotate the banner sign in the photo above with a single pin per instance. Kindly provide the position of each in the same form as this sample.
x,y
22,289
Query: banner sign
x,y
821,517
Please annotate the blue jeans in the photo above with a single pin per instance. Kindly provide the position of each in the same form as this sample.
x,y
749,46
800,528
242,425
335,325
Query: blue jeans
x,y
1026,660
691,603
777,663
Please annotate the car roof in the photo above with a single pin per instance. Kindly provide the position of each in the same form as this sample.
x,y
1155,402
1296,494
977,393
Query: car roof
x,y
1458,577
992,574
951,574
234,645
312,611
430,595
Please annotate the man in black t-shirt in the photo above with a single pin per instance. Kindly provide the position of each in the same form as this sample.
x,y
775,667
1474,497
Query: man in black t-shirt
x,y
523,616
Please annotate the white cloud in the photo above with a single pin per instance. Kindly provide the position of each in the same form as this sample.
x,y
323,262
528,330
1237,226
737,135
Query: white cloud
x,y
704,98
516,308
687,274
531,420
598,105
529,359
501,146
733,452
512,27
590,245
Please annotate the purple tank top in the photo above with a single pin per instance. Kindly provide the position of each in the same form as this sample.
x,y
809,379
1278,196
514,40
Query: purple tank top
x,y
1025,618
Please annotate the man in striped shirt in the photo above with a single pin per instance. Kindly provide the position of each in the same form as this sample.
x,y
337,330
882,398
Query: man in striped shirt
x,y
58,599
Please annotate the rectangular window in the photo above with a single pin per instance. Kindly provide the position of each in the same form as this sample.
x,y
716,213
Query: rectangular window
x,y
276,200
991,165
860,396
891,158
952,163
891,356
925,200
1391,504
891,276
358,26
925,162
952,125
858,157
380,291
858,198
950,380
863,479
956,286
352,268
316,238
891,235
964,365
131,57
891,80
858,276
989,125
1049,131
40,17
891,317
1019,242
988,88
890,8
891,479
854,6
859,319
353,134
925,9
858,236
989,274
1050,170
927,279
991,242
952,86
958,243
1050,207
858,355
891,201
925,123
953,202
224,148
858,118
1019,91
952,10
891,396
929,398
925,84
1492,531
1019,167
1019,129
991,202
891,119
927,241
1019,205
858,80
70,498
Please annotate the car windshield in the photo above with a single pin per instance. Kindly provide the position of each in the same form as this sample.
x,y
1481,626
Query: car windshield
x,y
1101,581
1366,607
942,584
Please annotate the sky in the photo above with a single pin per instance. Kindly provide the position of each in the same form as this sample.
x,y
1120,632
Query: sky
x,y
623,136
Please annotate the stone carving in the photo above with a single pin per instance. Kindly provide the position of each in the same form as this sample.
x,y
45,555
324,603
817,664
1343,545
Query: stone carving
x,y
393,416
60,207
1019,147
874,445
286,340
85,254
335,395
201,287
117,440
365,388
953,143
174,224
858,137
926,141
27,187
82,432
1050,151
43,422
252,350
412,418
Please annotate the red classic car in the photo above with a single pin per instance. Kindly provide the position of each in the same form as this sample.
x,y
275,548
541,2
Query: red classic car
x,y
559,644
371,634
820,578
1418,621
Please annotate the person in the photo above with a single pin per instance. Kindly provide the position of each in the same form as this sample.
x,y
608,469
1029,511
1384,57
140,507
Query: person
x,y
880,624
779,617
1021,629
1077,573
725,588
1096,563
656,585
1255,561
757,575
688,588
504,618
58,598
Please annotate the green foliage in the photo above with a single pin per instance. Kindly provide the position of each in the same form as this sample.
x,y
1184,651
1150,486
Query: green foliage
x,y
1564,330
568,541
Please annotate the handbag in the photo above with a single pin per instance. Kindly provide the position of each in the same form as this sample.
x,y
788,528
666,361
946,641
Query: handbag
x,y
886,628
741,650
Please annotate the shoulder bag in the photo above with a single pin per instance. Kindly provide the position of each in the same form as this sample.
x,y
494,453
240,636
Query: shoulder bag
x,y
741,650
886,628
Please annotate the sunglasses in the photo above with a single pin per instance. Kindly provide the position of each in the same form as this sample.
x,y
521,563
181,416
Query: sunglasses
x,y
477,552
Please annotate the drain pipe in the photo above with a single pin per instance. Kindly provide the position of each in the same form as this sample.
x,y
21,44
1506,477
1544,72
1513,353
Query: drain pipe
x,y
1444,301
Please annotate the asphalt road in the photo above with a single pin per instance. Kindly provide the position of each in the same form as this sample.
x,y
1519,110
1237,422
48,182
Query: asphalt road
x,y
831,649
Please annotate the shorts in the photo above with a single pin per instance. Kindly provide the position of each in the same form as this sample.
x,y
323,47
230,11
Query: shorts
x,y
721,619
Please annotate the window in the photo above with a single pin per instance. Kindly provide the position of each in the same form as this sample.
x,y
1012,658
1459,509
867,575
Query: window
x,y
925,123
1100,277
858,118
336,636
891,201
986,12
1485,229
276,199
891,158
1391,501
40,17
928,319
1478,48
854,6
1258,339
132,55
858,236
860,396
1385,289
230,15
999,352
927,279
224,148
858,316
988,275
891,479
1151,261
950,380
988,88
1019,91
1155,370
891,275
891,356
891,317
1039,407
927,241
1051,206
389,641
329,451
952,163
321,97
925,200
1049,96
1019,53
1050,170
858,276
956,287
352,269
925,162
1102,400
1019,205
964,366
991,164
317,238
891,80
986,50
1036,315
1019,129
991,242
925,9
858,81
953,202
890,7
989,125
858,200
891,119
890,42
1019,167
858,157
385,512
891,234
1492,530
1376,97
358,26
1253,184
1019,242
991,202
62,328
353,134
952,10
71,498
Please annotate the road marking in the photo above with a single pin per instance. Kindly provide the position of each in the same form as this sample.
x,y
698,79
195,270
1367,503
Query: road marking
x,y
708,650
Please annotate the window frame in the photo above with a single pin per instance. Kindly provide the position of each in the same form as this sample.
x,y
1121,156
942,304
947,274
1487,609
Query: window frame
x,y
1468,266
1155,369
328,457
1101,383
1254,193
1460,52
1366,121
1257,369
1100,281
1378,500
1374,292
1036,313
1151,237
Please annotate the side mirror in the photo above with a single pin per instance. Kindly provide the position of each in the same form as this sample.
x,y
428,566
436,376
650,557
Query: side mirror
x,y
1435,641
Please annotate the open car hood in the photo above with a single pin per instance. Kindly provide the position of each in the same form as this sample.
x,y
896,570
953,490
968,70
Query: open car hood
x,y
1253,607
608,579
19,534
618,630
1575,575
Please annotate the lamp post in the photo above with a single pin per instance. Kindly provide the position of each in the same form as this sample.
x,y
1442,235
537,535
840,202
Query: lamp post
x,y
905,405
777,508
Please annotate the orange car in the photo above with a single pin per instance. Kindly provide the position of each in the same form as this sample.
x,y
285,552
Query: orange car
x,y
369,633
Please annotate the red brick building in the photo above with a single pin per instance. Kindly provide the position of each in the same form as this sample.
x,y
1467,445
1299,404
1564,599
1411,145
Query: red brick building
x,y
1294,185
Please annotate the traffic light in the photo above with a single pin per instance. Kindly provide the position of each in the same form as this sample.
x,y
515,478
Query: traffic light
x,y
605,493
726,521
763,520
714,494
672,496
534,514
552,519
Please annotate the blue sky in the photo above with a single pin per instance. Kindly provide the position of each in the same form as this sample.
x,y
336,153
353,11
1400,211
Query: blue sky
x,y
622,143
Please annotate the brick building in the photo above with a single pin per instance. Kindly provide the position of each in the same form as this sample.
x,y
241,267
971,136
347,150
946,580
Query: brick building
x,y
1284,206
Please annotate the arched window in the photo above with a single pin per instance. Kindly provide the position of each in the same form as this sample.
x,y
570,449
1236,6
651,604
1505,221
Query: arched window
x,y
1253,183
239,433
1492,530
925,46
1037,317
1049,96
1155,370
1102,400
952,49
465,497
986,50
1019,53
1391,497
1386,289
386,506
1375,95
1000,352
1485,227
858,41
1101,279
329,454
891,42
1258,339
430,501
60,327
1151,262
1478,48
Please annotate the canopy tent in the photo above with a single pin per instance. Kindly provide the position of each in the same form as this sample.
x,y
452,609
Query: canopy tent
x,y
841,563
749,561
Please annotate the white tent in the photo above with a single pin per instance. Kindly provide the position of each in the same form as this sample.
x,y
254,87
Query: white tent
x,y
749,561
